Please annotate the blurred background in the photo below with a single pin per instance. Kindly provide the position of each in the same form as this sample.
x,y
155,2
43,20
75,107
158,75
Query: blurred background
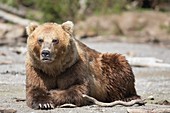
x,y
139,21
135,28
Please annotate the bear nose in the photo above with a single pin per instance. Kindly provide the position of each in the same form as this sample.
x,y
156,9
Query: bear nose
x,y
45,53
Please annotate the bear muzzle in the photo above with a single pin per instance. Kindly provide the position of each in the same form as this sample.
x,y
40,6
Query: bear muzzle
x,y
46,56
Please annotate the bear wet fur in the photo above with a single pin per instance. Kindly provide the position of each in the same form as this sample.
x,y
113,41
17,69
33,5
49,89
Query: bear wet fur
x,y
71,69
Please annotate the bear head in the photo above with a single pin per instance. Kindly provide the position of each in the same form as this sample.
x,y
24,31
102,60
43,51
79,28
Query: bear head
x,y
50,42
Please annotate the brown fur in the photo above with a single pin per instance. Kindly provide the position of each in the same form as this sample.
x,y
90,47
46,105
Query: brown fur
x,y
75,70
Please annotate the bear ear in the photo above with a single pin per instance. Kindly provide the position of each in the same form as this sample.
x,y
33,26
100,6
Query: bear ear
x,y
31,27
68,26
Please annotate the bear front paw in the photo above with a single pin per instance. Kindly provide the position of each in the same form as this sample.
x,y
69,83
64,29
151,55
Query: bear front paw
x,y
43,104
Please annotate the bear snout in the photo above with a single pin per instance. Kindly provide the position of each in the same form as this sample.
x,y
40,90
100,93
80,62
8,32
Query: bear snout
x,y
46,56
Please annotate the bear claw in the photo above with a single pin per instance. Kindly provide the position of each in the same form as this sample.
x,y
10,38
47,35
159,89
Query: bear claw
x,y
46,106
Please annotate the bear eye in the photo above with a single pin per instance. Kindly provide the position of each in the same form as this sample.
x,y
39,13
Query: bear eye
x,y
40,40
55,41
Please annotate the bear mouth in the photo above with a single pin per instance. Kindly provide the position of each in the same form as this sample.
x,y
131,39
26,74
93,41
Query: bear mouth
x,y
46,60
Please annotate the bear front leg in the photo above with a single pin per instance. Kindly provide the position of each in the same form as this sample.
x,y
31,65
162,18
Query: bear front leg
x,y
37,95
38,98
72,95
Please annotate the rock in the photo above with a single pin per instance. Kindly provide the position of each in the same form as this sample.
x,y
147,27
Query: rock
x,y
3,110
15,32
130,23
163,102
2,33
138,26
10,34
151,97
94,26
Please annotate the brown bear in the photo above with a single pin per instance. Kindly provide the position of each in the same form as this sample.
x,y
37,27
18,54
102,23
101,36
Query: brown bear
x,y
60,69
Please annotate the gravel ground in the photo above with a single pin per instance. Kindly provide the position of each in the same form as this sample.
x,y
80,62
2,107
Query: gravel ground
x,y
149,81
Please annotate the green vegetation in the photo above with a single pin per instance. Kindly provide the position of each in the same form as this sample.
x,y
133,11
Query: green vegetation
x,y
9,2
105,6
165,27
58,10
62,10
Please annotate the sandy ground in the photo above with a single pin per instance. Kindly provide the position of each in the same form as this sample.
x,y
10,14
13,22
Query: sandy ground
x,y
149,81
